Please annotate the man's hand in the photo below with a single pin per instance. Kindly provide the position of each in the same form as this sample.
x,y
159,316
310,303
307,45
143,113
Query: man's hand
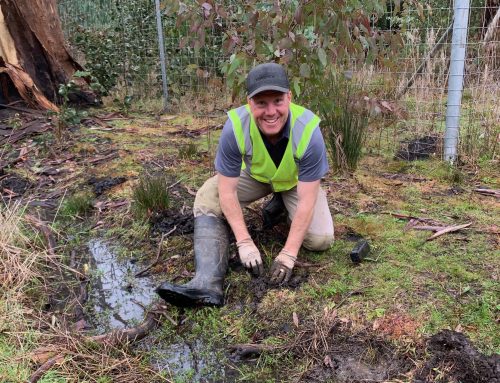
x,y
281,270
250,256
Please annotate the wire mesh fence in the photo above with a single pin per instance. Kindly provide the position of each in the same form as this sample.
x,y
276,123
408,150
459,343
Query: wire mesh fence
x,y
118,42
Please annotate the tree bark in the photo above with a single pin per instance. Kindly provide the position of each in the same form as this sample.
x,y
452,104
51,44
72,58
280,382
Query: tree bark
x,y
32,48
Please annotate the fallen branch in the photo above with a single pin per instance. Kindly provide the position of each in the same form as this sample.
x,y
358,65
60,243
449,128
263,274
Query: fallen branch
x,y
429,228
40,372
24,110
130,334
448,229
414,220
80,301
45,230
109,156
488,192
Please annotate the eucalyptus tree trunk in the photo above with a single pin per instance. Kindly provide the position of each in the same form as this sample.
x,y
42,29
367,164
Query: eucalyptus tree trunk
x,y
34,60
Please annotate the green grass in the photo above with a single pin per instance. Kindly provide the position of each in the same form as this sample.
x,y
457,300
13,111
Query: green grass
x,y
151,195
77,205
12,367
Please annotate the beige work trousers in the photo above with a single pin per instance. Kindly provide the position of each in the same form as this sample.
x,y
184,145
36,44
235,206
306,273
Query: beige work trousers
x,y
320,234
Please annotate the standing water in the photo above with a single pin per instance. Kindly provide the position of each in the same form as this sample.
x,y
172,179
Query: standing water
x,y
116,294
116,301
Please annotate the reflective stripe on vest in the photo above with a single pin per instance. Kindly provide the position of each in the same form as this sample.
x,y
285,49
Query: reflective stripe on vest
x,y
257,160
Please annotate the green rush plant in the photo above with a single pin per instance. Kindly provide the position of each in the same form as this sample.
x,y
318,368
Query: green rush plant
x,y
344,120
150,195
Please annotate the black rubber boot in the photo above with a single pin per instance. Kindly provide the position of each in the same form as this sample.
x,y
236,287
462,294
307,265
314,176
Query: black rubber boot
x,y
210,258
273,212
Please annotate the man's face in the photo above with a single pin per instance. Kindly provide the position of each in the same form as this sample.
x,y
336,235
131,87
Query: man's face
x,y
270,111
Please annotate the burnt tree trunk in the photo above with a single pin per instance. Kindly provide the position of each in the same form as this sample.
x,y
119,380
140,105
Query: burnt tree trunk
x,y
34,60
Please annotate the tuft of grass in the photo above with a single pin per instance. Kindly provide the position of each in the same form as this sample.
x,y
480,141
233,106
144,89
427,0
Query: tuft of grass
x,y
344,121
188,152
20,262
151,195
77,205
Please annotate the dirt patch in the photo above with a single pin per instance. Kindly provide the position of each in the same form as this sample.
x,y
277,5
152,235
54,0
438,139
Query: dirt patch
x,y
181,223
346,357
16,185
352,365
100,185
342,356
454,359
396,326
347,233
418,149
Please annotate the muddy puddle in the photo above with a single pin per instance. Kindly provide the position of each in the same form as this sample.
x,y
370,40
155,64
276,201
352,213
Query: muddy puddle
x,y
188,361
117,299
116,296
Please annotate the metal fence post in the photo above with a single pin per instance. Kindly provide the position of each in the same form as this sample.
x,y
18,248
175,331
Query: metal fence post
x,y
456,77
161,47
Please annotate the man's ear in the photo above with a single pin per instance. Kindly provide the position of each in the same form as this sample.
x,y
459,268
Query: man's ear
x,y
290,95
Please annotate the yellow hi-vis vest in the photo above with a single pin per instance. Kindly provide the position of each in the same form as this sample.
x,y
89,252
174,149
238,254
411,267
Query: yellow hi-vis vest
x,y
256,158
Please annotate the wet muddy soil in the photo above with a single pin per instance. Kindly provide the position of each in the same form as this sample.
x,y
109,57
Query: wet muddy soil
x,y
14,184
418,148
101,185
187,361
165,222
118,298
362,357
452,358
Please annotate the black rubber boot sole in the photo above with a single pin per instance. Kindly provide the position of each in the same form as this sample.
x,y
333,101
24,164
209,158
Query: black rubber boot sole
x,y
182,296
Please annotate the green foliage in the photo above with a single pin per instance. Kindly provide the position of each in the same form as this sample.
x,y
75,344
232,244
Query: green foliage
x,y
189,151
78,204
118,47
12,367
15,121
151,195
308,37
120,43
344,119
101,56
67,115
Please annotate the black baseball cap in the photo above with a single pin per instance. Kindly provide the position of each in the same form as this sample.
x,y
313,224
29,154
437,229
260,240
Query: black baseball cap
x,y
269,76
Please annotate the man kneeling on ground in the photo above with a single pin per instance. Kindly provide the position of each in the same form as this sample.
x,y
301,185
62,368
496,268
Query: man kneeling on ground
x,y
270,145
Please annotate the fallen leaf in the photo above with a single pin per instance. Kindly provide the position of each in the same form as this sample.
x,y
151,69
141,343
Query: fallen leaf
x,y
43,354
295,319
190,191
386,105
328,361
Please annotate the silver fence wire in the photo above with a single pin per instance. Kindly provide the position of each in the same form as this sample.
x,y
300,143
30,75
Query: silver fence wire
x,y
117,41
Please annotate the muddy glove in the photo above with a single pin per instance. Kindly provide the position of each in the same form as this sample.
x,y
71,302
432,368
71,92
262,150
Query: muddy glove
x,y
250,256
281,270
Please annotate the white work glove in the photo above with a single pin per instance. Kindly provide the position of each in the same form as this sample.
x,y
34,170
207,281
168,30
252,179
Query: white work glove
x,y
250,256
281,270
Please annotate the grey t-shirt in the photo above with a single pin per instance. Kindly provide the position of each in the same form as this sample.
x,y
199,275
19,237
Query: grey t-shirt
x,y
312,166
